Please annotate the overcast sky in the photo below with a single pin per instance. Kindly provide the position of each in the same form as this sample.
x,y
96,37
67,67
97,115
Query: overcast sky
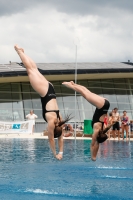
x,y
47,29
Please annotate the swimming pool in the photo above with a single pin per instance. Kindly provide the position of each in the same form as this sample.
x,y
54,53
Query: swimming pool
x,y
29,171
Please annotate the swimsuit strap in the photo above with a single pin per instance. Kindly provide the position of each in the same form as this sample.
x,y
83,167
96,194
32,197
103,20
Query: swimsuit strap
x,y
56,111
44,100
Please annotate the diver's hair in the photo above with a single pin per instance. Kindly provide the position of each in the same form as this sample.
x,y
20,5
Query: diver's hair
x,y
58,129
102,136
108,127
67,118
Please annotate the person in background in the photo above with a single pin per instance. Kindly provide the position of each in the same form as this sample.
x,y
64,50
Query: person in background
x,y
125,124
31,116
110,121
116,126
68,130
105,121
131,126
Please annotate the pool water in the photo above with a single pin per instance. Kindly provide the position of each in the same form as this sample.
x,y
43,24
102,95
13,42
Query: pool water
x,y
29,171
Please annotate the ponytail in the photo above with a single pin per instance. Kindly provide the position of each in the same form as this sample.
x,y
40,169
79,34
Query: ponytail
x,y
58,129
102,136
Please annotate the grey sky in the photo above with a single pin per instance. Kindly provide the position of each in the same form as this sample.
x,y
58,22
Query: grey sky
x,y
80,7
47,28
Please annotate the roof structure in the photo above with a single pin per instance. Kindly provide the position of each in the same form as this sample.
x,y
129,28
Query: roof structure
x,y
18,69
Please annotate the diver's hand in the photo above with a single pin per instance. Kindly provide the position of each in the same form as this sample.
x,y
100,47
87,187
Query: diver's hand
x,y
59,156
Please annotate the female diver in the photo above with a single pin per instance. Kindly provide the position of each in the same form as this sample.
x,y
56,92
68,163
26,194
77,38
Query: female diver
x,y
50,109
102,105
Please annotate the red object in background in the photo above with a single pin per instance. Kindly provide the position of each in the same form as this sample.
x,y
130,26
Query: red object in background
x,y
106,120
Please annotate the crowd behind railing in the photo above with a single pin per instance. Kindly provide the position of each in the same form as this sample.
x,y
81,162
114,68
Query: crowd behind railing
x,y
122,129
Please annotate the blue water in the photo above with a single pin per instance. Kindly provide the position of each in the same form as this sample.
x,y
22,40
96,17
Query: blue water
x,y
29,171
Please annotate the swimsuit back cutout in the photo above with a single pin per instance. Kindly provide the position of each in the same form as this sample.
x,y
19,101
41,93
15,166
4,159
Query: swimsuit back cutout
x,y
44,100
99,112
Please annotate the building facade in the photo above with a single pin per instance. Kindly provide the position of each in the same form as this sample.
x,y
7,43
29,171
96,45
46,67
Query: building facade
x,y
18,98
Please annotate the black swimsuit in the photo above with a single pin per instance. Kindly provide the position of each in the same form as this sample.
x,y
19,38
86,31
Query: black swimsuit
x,y
99,112
50,95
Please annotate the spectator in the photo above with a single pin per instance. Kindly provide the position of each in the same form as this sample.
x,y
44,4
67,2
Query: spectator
x,y
31,116
125,124
131,125
106,121
116,126
68,130
110,119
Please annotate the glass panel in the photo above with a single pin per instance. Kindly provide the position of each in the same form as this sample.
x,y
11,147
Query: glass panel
x,y
17,102
5,114
18,115
5,87
112,106
107,83
27,101
36,104
6,105
88,115
69,105
94,84
59,99
69,98
57,89
15,87
123,106
83,103
97,91
66,90
120,83
25,87
60,105
83,82
6,97
109,94
122,96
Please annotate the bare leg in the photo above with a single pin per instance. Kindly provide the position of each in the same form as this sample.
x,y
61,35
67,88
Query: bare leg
x,y
122,132
118,134
37,80
108,133
113,133
94,150
126,132
92,98
94,145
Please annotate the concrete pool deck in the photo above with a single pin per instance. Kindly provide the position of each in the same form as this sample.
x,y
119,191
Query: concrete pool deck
x,y
41,136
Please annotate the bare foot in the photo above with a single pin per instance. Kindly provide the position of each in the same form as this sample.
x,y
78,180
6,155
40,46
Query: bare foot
x,y
69,84
18,48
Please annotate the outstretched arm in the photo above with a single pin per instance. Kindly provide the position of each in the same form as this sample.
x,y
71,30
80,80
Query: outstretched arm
x,y
60,144
51,127
94,144
51,137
